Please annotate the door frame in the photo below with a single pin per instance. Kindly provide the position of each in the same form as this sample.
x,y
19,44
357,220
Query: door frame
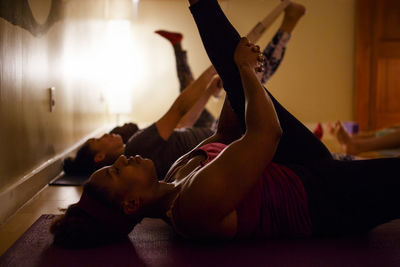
x,y
363,87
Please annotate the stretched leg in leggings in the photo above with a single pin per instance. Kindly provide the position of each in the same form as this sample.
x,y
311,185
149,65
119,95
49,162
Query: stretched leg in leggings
x,y
275,50
273,54
348,196
185,77
298,144
183,70
184,73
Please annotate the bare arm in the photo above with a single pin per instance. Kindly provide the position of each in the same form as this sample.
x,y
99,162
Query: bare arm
x,y
185,101
189,119
229,129
218,188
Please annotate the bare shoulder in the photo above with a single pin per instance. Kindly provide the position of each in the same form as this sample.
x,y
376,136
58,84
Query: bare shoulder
x,y
184,166
209,199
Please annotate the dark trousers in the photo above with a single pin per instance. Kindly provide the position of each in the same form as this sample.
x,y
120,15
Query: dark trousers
x,y
185,76
344,197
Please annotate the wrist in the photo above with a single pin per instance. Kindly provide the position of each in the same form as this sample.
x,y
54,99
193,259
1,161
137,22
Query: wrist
x,y
245,67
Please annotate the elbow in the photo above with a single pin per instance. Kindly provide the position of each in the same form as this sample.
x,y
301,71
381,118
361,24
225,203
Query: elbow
x,y
181,108
279,132
274,131
276,135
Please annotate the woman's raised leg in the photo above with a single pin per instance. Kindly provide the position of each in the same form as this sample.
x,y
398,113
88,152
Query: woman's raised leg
x,y
275,50
185,76
182,67
184,72
298,144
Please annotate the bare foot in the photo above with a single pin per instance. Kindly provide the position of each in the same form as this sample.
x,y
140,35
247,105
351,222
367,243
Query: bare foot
x,y
294,11
344,138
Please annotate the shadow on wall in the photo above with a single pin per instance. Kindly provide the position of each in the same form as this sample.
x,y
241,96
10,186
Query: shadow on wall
x,y
19,13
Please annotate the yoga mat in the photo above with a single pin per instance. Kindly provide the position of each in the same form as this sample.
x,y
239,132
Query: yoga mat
x,y
153,243
71,180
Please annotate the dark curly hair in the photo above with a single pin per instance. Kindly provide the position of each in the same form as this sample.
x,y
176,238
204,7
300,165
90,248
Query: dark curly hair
x,y
83,163
126,131
77,229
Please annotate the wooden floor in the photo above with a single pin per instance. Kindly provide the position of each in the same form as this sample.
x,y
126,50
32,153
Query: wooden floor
x,y
49,201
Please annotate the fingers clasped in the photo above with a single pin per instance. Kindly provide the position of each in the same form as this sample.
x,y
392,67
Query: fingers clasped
x,y
260,59
245,55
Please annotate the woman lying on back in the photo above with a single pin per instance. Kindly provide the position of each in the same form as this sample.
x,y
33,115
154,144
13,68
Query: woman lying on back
x,y
262,174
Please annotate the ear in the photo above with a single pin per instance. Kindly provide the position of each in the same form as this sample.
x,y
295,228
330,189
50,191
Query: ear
x,y
131,206
100,156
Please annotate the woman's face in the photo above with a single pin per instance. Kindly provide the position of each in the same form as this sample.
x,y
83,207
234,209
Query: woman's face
x,y
109,144
126,177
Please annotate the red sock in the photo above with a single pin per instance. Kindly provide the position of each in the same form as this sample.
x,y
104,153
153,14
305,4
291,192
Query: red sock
x,y
173,37
319,131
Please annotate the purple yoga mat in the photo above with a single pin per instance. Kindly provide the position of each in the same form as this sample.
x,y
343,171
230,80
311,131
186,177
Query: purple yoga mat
x,y
152,243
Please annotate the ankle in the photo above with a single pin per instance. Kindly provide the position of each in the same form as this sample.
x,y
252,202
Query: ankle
x,y
294,11
173,37
351,148
293,14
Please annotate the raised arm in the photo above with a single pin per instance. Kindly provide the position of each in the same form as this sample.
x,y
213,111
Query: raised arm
x,y
182,105
260,113
190,118
228,130
218,188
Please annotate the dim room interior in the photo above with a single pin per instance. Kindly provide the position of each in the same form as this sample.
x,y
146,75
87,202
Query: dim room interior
x,y
74,69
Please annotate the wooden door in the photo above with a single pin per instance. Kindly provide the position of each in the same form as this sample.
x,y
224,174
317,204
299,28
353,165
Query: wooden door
x,y
377,82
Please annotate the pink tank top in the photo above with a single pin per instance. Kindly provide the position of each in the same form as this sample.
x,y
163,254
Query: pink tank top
x,y
276,207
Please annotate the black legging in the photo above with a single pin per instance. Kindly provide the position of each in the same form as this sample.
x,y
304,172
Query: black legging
x,y
344,196
220,40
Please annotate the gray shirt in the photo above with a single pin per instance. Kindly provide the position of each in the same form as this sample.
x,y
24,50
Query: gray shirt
x,y
148,143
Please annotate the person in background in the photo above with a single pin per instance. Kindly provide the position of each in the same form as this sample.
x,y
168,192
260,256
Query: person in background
x,y
356,144
186,123
172,134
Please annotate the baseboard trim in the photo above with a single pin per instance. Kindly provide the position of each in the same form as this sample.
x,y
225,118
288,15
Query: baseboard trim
x,y
15,196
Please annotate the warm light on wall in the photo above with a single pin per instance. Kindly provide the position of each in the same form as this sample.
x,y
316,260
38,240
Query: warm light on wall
x,y
115,64
118,66
135,7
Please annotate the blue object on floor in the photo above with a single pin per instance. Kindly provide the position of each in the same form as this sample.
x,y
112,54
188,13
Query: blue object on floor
x,y
70,180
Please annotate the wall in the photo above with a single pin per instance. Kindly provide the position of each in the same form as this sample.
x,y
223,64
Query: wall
x,y
315,81
34,44
317,78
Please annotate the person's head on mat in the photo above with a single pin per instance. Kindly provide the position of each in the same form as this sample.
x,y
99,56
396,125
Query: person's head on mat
x,y
94,220
263,174
99,152
94,154
113,201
